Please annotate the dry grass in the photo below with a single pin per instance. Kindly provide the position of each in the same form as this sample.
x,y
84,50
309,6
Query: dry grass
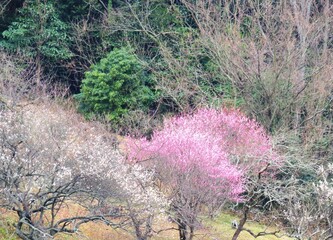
x,y
217,229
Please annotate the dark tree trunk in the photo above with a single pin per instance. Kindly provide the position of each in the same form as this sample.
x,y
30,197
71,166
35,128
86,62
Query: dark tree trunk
x,y
191,233
241,223
182,230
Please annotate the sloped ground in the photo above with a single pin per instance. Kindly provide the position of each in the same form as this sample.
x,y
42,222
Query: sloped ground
x,y
217,229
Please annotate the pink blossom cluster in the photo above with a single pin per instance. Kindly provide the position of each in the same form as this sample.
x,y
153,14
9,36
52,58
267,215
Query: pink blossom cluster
x,y
218,146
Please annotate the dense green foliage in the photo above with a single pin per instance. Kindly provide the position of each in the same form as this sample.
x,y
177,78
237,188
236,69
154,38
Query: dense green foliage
x,y
38,30
116,85
38,33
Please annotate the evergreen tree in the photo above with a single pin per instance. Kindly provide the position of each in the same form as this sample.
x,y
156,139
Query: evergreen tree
x,y
116,85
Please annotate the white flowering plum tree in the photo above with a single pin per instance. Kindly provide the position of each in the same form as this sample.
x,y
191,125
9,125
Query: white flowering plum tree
x,y
50,159
35,174
204,159
125,189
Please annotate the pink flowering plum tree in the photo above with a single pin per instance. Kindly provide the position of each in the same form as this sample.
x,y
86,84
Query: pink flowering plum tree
x,y
203,160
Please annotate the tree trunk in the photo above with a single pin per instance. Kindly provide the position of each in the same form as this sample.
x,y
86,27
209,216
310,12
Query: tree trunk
x,y
241,223
39,69
191,233
326,30
302,11
182,230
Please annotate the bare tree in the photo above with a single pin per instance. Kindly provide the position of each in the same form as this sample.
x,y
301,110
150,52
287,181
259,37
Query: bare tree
x,y
262,196
275,55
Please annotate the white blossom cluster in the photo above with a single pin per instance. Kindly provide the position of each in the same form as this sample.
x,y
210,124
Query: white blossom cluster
x,y
90,151
310,211
135,184
325,186
33,155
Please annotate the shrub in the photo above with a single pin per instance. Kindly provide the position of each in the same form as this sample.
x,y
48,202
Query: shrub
x,y
116,85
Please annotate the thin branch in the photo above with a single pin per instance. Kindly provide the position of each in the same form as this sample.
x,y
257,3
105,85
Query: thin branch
x,y
260,234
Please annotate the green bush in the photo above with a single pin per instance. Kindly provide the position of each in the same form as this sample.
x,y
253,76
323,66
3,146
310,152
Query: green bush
x,y
38,30
116,85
